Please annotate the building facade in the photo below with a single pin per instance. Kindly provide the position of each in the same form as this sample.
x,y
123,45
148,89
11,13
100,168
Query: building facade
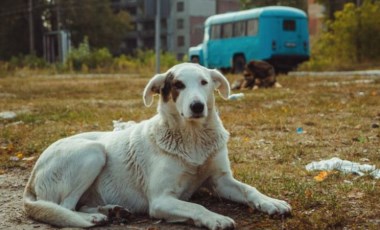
x,y
181,22
316,16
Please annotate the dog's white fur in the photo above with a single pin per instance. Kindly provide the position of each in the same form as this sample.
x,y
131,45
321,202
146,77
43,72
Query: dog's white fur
x,y
153,166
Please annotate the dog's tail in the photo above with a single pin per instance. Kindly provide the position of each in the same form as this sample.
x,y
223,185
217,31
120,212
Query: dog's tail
x,y
52,213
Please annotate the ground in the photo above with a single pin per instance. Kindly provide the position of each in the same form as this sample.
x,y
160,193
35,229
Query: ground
x,y
274,133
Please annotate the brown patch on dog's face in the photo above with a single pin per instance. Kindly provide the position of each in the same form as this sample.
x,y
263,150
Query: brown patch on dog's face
x,y
172,88
177,86
165,91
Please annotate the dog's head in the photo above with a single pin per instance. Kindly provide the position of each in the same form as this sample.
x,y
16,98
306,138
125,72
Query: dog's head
x,y
189,87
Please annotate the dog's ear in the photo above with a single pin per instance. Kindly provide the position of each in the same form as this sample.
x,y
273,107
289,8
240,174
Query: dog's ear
x,y
221,83
153,87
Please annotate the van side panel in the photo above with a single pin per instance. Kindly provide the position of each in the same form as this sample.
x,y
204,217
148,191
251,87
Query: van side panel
x,y
282,38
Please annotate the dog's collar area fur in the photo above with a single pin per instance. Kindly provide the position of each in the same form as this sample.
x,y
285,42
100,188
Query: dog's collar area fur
x,y
193,144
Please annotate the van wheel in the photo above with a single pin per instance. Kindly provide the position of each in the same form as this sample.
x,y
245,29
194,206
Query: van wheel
x,y
238,64
195,59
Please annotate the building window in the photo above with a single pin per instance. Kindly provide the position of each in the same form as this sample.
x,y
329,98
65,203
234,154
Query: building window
x,y
180,41
180,24
180,6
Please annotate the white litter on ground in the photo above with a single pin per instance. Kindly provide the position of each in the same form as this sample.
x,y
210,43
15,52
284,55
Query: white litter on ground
x,y
121,125
8,115
345,166
376,174
236,96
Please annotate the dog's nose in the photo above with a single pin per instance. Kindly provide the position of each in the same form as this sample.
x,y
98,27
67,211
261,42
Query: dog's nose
x,y
197,107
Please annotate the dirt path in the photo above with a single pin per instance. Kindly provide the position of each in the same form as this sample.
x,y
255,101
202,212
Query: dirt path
x,y
11,214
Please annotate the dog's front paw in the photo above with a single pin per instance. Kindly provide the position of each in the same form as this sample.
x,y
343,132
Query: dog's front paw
x,y
114,211
273,206
98,219
216,222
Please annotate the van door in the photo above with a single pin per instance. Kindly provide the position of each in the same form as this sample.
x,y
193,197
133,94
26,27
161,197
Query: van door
x,y
291,36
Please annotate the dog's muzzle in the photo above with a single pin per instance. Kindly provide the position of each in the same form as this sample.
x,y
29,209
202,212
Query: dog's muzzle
x,y
197,109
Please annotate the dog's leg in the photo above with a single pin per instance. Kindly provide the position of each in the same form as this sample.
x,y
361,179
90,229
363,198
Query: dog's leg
x,y
92,157
173,210
61,178
229,188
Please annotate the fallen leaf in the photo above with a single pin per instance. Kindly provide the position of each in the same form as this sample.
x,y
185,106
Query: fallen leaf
x,y
308,193
19,155
321,176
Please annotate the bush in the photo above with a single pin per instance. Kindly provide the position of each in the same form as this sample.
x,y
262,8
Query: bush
x,y
351,40
100,60
84,59
27,61
143,61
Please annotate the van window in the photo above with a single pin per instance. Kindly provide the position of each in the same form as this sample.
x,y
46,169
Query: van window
x,y
239,29
215,31
252,27
227,30
289,25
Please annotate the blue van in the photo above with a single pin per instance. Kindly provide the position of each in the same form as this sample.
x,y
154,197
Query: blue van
x,y
276,34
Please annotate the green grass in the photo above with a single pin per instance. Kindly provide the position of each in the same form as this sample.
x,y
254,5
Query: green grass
x,y
336,114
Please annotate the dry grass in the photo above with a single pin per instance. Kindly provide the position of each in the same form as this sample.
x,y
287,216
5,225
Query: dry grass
x,y
338,116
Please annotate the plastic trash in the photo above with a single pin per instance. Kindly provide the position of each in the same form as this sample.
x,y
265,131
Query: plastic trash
x,y
299,130
14,158
376,174
121,125
8,115
236,96
344,166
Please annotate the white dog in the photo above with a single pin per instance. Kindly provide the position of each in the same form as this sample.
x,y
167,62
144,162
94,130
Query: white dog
x,y
150,167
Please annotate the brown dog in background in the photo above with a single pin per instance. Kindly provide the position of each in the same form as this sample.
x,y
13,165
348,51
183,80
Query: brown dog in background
x,y
257,74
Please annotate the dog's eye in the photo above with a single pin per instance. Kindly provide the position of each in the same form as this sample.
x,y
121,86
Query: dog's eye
x,y
204,82
179,85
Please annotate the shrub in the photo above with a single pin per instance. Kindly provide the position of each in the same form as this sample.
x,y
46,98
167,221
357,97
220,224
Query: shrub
x,y
84,59
27,61
349,41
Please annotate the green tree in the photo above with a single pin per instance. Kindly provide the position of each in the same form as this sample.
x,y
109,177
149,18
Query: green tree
x,y
96,20
14,27
333,6
350,39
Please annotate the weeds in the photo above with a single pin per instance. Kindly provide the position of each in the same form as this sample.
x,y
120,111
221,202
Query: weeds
x,y
265,150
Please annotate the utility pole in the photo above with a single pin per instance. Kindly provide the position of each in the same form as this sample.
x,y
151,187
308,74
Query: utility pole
x,y
31,28
158,35
58,30
58,14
